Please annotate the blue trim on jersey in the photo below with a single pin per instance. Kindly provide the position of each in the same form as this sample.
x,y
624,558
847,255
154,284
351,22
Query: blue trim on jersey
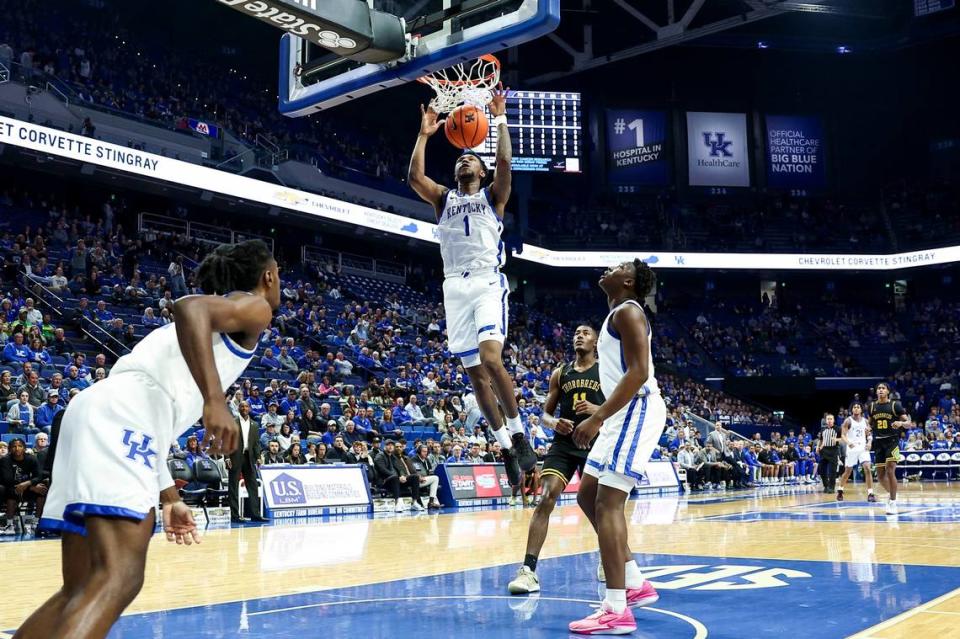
x,y
77,512
61,526
488,327
595,464
467,353
623,431
235,348
636,435
500,254
623,360
503,309
612,331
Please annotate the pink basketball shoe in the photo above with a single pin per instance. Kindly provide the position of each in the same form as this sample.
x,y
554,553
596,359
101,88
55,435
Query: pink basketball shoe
x,y
605,622
643,596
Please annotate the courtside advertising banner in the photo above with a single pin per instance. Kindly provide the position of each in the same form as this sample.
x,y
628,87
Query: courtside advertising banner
x,y
795,152
718,153
90,151
659,474
310,487
637,147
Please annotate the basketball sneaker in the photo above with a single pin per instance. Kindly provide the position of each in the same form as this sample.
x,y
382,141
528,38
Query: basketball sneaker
x,y
401,506
417,506
511,467
839,494
872,498
524,452
525,582
891,507
643,596
605,622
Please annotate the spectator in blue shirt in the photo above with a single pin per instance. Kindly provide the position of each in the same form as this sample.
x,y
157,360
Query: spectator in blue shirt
x,y
43,416
257,407
78,362
457,455
102,315
150,319
16,351
290,403
73,379
21,416
270,362
193,450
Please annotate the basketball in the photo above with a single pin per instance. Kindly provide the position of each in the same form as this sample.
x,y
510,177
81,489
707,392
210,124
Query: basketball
x,y
466,126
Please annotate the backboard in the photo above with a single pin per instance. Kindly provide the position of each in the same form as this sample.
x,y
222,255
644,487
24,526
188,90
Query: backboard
x,y
438,32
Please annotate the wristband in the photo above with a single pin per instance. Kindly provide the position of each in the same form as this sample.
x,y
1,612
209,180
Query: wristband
x,y
500,119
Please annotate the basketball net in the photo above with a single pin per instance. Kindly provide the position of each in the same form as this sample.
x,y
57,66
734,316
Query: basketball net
x,y
464,83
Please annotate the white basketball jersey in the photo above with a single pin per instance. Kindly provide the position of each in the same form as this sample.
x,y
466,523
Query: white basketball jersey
x,y
612,363
857,432
469,232
158,356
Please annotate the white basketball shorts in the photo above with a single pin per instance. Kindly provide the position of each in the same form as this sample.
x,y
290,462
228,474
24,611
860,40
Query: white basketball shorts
x,y
113,441
626,441
476,308
856,454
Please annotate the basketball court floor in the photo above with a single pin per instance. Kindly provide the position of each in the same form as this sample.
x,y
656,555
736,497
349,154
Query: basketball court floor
x,y
777,562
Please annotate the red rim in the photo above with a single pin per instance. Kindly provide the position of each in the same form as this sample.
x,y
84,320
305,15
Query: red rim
x,y
425,79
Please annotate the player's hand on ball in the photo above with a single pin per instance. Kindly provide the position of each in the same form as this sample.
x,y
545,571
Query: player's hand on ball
x,y
221,431
498,105
583,407
429,124
564,426
586,431
178,524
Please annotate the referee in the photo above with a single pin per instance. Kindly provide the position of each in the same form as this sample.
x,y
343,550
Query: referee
x,y
829,449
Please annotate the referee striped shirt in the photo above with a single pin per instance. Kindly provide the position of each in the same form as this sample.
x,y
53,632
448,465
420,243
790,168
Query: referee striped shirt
x,y
828,437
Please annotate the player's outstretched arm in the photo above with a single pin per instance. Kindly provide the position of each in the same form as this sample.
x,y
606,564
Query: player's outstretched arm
x,y
427,189
502,178
197,318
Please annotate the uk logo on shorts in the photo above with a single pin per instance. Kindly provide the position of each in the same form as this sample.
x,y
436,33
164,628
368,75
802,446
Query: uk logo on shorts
x,y
139,449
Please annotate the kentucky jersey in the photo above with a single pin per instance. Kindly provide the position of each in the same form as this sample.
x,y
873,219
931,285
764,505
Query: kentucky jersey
x,y
857,432
610,352
158,356
469,233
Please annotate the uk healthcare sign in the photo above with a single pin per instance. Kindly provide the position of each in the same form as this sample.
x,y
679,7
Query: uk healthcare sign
x,y
637,147
795,152
717,150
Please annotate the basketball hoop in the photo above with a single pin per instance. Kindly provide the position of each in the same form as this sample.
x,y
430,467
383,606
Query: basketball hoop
x,y
464,83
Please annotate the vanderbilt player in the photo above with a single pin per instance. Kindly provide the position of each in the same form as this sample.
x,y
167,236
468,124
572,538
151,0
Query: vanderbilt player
x,y
575,388
887,417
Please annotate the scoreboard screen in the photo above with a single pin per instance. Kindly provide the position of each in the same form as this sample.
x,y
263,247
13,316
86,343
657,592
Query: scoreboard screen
x,y
545,132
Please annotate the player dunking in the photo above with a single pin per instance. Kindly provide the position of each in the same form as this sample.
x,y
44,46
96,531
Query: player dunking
x,y
114,438
575,388
469,223
856,434
887,417
632,419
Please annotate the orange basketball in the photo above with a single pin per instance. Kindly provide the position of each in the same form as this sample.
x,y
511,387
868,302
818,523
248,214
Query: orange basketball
x,y
466,126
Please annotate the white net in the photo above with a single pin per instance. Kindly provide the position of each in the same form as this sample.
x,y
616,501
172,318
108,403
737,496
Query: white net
x,y
464,83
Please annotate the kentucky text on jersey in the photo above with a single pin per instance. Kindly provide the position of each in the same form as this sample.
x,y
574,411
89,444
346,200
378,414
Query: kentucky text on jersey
x,y
462,208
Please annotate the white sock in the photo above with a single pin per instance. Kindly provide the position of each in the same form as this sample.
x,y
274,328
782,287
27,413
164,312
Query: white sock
x,y
616,600
502,435
634,578
514,425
